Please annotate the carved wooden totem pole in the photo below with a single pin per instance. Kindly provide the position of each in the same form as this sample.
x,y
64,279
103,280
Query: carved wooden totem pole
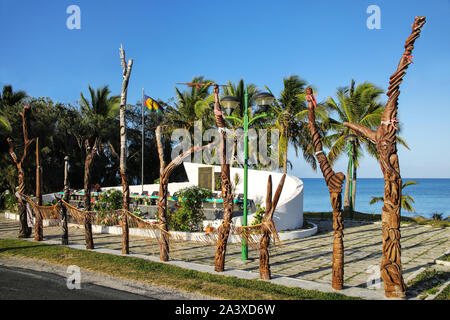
x,y
385,138
38,225
66,198
123,148
90,153
268,227
25,230
227,195
334,183
164,175
162,200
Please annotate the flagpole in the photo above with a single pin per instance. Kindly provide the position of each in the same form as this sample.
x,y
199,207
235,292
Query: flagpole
x,y
142,145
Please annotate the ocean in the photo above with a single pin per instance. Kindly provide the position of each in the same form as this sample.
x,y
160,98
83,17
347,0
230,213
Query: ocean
x,y
430,196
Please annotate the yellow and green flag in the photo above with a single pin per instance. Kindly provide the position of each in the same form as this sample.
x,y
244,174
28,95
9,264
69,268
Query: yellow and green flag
x,y
152,105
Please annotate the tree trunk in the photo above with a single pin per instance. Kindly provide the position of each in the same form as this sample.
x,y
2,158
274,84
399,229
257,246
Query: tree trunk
x,y
285,158
347,189
123,150
66,198
227,195
38,225
354,188
385,138
264,265
334,182
90,153
25,229
165,173
162,200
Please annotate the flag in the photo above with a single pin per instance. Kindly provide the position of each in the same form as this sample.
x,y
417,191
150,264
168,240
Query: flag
x,y
152,105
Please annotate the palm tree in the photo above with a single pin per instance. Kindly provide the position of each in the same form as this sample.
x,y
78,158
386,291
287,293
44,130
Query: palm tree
x,y
185,113
406,199
9,98
97,115
358,105
289,110
238,91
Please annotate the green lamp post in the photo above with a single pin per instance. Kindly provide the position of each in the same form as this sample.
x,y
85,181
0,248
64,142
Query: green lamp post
x,y
263,99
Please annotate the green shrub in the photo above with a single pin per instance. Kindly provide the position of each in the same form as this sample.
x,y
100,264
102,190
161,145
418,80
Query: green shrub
x,y
109,200
188,213
437,216
106,207
8,201
259,214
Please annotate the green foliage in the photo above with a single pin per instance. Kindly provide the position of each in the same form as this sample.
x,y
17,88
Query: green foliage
x,y
259,214
106,207
290,111
138,213
8,201
109,200
188,214
437,216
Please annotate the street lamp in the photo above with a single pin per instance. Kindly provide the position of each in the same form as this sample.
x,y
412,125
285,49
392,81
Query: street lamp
x,y
351,138
263,99
229,103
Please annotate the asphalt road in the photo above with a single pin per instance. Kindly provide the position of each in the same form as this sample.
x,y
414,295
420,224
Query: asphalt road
x,y
18,283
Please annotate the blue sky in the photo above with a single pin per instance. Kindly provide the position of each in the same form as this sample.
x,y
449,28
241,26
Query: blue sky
x,y
325,42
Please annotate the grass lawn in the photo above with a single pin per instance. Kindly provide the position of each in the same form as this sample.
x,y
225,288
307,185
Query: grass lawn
x,y
161,274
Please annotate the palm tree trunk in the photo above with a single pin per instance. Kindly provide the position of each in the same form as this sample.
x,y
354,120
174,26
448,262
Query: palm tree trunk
x,y
354,187
163,191
227,195
123,150
285,158
386,141
66,197
264,265
25,230
90,153
334,182
38,226
347,206
162,200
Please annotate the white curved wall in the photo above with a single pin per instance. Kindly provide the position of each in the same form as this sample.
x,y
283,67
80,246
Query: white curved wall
x,y
289,212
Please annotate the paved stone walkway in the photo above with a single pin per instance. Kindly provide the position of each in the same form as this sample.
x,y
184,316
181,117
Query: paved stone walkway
x,y
308,258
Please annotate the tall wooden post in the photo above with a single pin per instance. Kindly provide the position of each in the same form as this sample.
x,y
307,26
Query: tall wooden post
x,y
90,153
123,148
38,226
268,227
334,183
25,230
165,172
162,200
385,138
66,198
227,195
